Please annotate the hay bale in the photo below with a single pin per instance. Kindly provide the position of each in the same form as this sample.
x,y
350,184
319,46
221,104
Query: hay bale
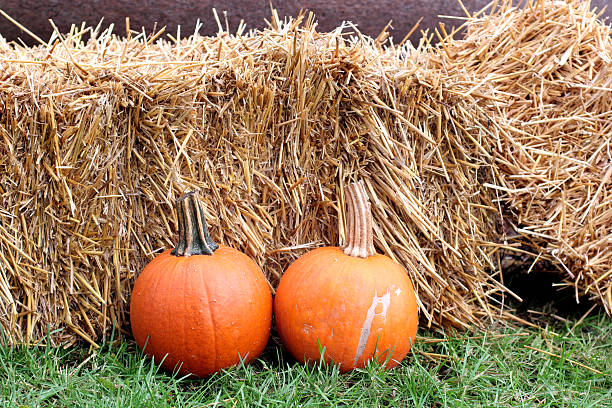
x,y
491,142
550,65
98,138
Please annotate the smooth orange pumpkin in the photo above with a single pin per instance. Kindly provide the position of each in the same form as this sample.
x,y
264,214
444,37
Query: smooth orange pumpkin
x,y
200,307
352,303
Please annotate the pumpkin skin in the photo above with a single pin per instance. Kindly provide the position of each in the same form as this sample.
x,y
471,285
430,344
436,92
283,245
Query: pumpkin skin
x,y
201,312
351,306
356,308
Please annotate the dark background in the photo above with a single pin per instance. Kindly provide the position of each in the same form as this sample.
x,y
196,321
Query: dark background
x,y
370,15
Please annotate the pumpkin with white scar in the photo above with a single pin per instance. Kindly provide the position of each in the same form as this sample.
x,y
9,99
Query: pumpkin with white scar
x,y
350,303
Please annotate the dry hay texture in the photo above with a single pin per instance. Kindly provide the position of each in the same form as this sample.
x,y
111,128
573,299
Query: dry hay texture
x,y
550,67
99,138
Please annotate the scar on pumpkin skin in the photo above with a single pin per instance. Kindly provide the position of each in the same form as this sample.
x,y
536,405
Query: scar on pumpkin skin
x,y
385,300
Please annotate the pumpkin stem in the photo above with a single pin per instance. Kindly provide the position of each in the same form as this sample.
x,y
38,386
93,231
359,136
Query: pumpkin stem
x,y
194,238
359,239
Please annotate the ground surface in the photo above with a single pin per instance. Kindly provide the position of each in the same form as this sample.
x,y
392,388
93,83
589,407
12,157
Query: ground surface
x,y
559,365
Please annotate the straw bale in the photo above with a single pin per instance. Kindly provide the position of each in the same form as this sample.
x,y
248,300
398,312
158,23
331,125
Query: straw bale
x,y
550,65
498,141
99,137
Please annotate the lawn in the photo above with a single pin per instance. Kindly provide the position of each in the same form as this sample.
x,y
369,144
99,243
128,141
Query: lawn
x,y
560,365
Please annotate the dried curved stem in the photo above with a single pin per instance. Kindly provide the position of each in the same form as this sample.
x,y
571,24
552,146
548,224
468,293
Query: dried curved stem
x,y
359,239
194,238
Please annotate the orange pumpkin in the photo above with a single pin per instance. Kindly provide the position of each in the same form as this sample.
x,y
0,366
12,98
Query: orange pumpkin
x,y
352,303
201,307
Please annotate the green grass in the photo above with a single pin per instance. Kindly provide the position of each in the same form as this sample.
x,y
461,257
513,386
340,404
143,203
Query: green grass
x,y
492,370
